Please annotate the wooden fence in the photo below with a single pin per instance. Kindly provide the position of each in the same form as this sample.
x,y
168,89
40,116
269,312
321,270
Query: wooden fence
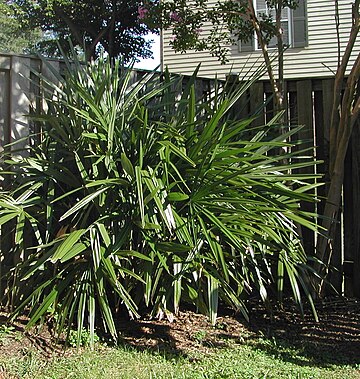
x,y
308,102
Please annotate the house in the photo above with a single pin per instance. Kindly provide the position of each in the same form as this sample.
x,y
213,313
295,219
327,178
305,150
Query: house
x,y
310,31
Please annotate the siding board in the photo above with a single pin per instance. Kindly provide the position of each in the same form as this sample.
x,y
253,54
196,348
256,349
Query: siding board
x,y
299,63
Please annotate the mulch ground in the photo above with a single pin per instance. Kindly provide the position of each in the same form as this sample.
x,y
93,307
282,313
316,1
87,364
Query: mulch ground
x,y
334,339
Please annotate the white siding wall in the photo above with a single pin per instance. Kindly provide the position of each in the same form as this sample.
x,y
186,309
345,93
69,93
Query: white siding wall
x,y
315,60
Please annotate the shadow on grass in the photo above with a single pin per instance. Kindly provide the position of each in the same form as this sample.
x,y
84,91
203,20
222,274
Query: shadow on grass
x,y
334,340
285,334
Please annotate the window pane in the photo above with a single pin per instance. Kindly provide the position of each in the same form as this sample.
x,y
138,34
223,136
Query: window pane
x,y
299,30
272,42
261,6
299,33
246,46
285,13
285,31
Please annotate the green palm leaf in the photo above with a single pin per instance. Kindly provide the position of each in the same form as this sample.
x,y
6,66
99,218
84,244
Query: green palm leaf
x,y
141,195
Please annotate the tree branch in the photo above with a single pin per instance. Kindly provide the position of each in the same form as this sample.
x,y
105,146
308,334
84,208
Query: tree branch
x,y
59,12
274,85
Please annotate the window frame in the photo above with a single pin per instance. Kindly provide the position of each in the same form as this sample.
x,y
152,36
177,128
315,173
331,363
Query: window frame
x,y
252,44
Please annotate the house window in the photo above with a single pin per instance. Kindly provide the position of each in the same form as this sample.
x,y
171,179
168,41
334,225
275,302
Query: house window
x,y
293,22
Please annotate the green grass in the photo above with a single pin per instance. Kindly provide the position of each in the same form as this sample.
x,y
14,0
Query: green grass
x,y
260,359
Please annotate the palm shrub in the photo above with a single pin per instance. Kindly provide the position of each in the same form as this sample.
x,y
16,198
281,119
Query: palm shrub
x,y
140,196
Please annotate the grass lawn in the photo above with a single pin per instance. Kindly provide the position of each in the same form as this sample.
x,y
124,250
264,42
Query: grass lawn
x,y
189,348
236,361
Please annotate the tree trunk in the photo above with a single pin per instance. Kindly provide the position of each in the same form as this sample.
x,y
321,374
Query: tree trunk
x,y
345,113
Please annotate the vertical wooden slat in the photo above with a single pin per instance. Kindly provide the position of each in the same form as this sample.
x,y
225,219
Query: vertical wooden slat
x,y
4,108
200,89
257,103
5,124
305,110
269,112
241,108
35,100
328,94
336,277
306,134
319,143
286,103
292,101
348,228
355,175
20,104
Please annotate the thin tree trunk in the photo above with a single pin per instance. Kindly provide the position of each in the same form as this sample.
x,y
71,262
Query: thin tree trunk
x,y
278,95
339,81
345,113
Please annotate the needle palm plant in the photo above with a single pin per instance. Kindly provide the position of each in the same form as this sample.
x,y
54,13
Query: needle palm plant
x,y
138,198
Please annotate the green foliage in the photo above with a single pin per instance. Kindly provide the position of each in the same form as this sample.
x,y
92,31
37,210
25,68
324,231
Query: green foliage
x,y
84,340
13,37
5,331
199,336
139,196
229,21
111,26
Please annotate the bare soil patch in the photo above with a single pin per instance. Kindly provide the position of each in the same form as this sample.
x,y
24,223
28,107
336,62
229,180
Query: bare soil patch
x,y
335,339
